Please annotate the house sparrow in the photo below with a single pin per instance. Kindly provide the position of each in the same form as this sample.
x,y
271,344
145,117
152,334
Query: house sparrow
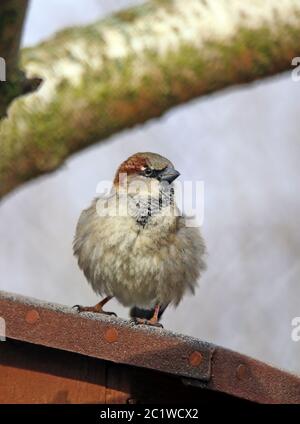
x,y
134,245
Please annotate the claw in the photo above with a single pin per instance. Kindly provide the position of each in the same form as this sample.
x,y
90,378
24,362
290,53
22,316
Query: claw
x,y
77,307
109,313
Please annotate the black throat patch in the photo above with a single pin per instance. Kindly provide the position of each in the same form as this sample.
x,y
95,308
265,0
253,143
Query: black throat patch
x,y
152,206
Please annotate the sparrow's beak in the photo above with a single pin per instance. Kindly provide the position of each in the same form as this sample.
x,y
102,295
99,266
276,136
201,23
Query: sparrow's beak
x,y
169,174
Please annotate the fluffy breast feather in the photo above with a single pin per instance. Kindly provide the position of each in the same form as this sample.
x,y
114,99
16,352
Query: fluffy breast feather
x,y
139,266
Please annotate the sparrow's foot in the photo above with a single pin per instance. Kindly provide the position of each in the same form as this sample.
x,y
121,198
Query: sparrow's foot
x,y
96,309
151,322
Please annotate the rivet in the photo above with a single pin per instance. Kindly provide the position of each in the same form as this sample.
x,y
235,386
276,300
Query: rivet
x,y
32,316
111,335
241,372
195,358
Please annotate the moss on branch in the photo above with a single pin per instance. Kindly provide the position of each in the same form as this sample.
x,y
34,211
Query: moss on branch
x,y
134,66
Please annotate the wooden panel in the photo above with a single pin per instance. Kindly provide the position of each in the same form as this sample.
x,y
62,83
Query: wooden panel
x,y
32,374
36,374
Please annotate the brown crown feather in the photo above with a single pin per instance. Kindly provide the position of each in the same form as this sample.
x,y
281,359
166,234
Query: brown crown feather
x,y
132,165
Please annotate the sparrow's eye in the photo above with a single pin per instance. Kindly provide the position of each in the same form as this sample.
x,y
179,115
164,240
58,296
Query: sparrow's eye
x,y
148,172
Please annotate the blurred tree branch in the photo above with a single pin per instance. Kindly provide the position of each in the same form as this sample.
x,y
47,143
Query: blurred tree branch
x,y
12,15
135,65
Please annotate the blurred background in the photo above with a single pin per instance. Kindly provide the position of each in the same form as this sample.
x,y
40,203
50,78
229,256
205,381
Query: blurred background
x,y
244,144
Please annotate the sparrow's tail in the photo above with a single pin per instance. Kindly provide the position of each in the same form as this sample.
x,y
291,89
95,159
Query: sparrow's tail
x,y
136,312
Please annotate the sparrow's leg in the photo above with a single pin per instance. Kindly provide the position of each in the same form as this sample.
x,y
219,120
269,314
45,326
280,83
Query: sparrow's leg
x,y
153,321
97,308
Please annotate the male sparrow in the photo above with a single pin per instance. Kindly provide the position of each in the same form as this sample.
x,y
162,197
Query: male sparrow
x,y
134,245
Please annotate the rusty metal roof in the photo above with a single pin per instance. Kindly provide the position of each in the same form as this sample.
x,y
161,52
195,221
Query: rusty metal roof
x,y
195,362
